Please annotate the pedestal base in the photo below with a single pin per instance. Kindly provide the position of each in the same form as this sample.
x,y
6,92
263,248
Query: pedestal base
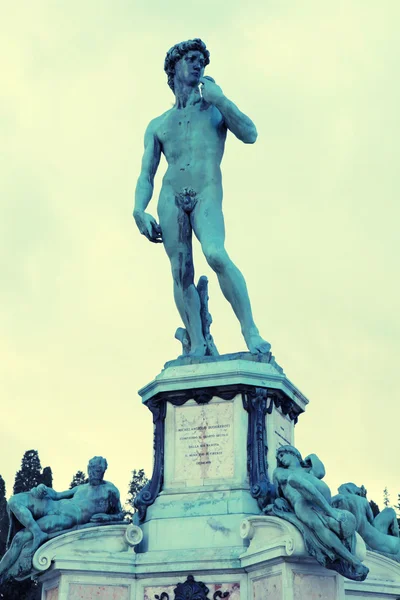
x,y
102,565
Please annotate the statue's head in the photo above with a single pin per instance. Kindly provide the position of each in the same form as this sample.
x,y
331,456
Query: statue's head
x,y
96,468
287,456
187,61
352,489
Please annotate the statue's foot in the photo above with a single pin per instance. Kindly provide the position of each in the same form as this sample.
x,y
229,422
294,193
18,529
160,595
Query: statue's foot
x,y
256,344
199,350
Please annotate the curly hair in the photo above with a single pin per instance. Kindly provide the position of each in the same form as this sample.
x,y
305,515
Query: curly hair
x,y
289,450
98,459
178,51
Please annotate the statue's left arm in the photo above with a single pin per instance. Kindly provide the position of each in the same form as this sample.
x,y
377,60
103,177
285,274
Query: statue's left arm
x,y
236,121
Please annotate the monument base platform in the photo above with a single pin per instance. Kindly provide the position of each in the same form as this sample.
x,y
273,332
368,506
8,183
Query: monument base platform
x,y
101,564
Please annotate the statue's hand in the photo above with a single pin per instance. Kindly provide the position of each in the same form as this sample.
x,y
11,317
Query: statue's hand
x,y
100,518
148,226
42,491
210,91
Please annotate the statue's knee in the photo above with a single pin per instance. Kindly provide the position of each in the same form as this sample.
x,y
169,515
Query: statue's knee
x,y
216,257
21,538
14,501
183,273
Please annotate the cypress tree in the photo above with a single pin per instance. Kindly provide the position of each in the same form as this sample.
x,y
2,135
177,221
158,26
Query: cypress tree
x,y
386,499
137,482
3,517
30,473
78,479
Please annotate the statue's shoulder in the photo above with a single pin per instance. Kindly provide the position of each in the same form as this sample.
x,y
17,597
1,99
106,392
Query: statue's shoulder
x,y
281,474
158,121
111,488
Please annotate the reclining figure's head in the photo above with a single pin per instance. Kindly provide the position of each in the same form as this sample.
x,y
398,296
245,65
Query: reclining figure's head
x,y
96,468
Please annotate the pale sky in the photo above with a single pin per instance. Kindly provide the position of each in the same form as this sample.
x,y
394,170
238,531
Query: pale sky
x,y
312,218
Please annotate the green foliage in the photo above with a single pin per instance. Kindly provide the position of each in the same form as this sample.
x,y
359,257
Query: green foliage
x,y
26,478
30,473
386,498
20,590
3,517
374,507
137,482
78,479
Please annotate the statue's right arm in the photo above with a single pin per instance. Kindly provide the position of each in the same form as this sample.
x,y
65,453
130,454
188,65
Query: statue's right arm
x,y
66,494
147,225
43,491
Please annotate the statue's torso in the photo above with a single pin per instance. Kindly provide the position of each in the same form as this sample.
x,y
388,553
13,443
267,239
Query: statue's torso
x,y
87,501
192,140
293,495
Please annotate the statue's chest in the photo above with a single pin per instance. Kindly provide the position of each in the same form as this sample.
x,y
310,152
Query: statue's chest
x,y
191,124
96,495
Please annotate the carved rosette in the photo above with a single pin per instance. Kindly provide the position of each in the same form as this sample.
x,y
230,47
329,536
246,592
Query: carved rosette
x,y
133,535
192,590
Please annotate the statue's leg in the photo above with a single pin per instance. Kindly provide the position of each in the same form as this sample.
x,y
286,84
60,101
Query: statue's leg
x,y
208,225
57,522
14,551
177,239
386,522
21,505
307,514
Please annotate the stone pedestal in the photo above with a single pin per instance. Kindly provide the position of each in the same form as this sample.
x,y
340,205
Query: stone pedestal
x,y
218,423
103,565
96,563
278,565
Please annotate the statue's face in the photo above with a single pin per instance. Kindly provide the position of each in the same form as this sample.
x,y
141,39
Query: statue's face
x,y
96,472
190,68
286,459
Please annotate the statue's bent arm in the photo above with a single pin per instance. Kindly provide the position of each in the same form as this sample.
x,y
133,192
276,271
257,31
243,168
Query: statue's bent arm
x,y
150,162
66,494
240,124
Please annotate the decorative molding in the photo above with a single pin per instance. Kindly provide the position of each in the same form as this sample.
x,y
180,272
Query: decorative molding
x,y
192,590
110,539
271,534
255,403
149,493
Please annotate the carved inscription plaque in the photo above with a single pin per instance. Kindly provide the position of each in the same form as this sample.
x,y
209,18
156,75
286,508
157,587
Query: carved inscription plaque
x,y
204,444
283,430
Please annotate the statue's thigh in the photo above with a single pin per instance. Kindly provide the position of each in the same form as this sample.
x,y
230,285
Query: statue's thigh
x,y
208,221
176,231
54,523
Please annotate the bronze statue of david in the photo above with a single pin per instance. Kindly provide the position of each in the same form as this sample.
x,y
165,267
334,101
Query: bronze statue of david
x,y
192,135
